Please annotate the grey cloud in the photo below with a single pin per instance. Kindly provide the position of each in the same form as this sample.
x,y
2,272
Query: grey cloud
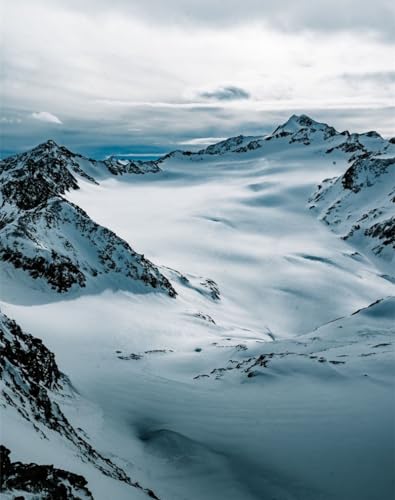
x,y
157,105
227,93
287,15
379,77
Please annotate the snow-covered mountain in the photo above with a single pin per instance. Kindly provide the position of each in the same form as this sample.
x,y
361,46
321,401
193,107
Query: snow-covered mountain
x,y
272,373
50,154
299,129
359,205
55,242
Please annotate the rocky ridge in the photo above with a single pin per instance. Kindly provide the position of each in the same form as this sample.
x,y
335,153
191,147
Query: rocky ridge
x,y
53,240
48,482
298,130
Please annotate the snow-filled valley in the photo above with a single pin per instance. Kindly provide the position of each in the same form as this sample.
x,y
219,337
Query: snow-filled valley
x,y
224,319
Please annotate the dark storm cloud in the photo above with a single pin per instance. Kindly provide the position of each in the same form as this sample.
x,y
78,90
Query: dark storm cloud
x,y
228,93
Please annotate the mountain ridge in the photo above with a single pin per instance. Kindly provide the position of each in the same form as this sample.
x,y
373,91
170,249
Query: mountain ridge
x,y
298,129
53,240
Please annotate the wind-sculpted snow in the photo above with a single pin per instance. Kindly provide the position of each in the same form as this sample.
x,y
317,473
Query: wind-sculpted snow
x,y
56,242
360,206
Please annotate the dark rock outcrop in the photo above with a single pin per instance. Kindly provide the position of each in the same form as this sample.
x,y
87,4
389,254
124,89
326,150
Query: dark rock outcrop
x,y
46,481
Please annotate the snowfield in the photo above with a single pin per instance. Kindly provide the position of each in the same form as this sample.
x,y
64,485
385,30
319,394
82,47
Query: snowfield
x,y
271,373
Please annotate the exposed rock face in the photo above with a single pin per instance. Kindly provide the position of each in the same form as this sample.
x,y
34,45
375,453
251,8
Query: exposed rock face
x,y
31,178
360,205
28,353
383,231
29,380
44,480
28,372
350,145
251,146
55,241
365,173
222,147
122,167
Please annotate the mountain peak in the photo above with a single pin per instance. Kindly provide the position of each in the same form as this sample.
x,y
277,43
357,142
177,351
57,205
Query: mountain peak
x,y
49,144
302,128
302,120
49,147
296,122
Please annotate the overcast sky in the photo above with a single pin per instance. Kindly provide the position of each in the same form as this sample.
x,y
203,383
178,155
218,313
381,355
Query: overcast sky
x,y
127,76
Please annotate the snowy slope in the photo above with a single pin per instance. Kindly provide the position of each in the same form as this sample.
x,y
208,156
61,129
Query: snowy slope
x,y
359,205
33,391
272,374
